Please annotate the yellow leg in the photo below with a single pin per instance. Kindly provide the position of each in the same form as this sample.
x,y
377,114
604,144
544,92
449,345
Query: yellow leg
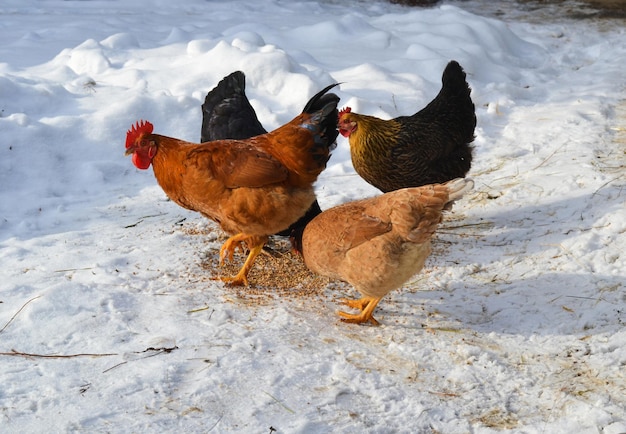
x,y
366,305
255,243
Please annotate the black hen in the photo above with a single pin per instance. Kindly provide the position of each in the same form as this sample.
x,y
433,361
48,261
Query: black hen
x,y
431,146
228,114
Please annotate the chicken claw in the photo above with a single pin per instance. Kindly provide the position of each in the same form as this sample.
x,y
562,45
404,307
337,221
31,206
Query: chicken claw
x,y
228,248
241,279
366,305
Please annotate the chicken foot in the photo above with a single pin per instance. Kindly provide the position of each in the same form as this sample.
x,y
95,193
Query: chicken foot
x,y
366,305
228,250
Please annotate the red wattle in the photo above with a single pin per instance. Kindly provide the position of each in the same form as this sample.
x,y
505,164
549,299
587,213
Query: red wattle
x,y
140,163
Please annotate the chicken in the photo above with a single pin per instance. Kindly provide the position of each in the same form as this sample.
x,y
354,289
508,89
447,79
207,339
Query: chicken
x,y
377,244
228,114
253,188
431,146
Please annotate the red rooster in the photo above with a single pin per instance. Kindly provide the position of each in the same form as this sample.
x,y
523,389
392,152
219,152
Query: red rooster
x,y
253,188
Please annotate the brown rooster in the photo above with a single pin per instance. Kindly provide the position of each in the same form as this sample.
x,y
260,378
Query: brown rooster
x,y
253,188
431,146
377,244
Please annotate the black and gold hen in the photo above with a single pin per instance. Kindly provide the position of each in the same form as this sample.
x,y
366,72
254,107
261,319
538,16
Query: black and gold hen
x,y
432,146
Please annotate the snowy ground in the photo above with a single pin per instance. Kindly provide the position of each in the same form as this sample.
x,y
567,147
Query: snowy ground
x,y
109,321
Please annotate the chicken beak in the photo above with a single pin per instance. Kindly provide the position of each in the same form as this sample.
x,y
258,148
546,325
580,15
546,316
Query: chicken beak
x,y
129,151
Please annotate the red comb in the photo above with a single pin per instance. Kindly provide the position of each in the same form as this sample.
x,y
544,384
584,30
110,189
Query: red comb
x,y
141,127
345,110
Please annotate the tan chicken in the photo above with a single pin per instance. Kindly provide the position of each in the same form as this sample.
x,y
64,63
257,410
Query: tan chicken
x,y
377,244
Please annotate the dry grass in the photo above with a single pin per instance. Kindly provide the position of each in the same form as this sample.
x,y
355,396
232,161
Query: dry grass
x,y
611,157
619,127
498,418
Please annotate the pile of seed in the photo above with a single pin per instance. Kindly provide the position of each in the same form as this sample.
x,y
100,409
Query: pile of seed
x,y
278,272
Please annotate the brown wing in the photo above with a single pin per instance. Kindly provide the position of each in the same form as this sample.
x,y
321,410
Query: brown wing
x,y
335,232
358,228
239,164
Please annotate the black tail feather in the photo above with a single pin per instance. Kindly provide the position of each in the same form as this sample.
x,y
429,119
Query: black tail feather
x,y
227,113
320,99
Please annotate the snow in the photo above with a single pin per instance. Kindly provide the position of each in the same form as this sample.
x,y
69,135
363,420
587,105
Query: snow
x,y
516,324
